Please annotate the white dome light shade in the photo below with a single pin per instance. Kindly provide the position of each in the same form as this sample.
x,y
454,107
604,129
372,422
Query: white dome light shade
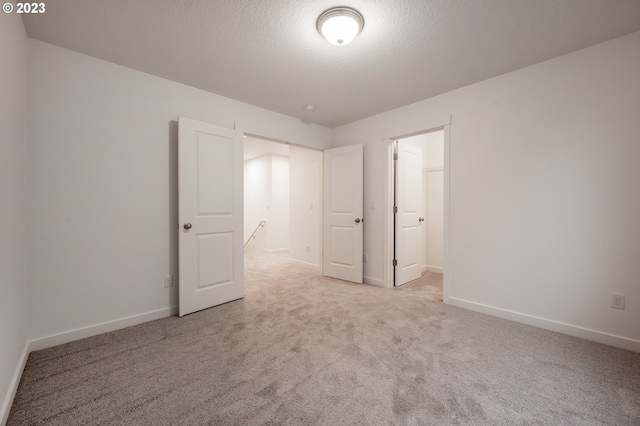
x,y
340,25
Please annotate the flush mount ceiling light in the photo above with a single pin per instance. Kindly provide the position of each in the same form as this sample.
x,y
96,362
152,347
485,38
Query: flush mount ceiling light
x,y
340,25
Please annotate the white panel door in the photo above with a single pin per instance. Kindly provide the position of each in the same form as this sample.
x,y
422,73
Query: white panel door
x,y
409,202
343,221
210,203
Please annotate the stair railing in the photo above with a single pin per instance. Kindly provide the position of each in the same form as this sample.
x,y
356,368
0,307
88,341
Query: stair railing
x,y
254,234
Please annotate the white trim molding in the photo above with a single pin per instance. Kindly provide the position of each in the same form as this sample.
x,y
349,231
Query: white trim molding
x,y
373,281
70,336
277,251
13,386
105,327
307,265
559,327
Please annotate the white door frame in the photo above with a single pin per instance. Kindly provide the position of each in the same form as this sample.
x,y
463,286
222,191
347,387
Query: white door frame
x,y
429,125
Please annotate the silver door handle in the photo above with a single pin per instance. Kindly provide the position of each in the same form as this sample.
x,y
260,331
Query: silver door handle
x,y
187,226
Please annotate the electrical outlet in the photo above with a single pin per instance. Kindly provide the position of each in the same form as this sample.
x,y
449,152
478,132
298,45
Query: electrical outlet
x,y
308,249
365,258
617,301
168,280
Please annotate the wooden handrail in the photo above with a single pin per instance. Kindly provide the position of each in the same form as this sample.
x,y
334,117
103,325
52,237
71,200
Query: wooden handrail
x,y
255,233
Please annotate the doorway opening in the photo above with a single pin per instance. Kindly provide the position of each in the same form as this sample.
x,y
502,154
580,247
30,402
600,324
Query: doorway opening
x,y
282,203
418,210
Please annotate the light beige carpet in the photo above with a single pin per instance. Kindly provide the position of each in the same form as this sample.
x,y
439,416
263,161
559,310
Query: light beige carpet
x,y
301,349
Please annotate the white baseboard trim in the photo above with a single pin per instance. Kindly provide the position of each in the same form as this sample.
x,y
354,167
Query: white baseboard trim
x,y
373,281
13,386
571,330
436,269
308,265
105,327
276,251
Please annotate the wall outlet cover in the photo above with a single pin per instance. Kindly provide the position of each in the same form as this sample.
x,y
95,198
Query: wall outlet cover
x,y
617,300
168,280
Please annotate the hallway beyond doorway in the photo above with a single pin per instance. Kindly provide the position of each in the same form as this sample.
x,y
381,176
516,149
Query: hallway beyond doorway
x,y
266,266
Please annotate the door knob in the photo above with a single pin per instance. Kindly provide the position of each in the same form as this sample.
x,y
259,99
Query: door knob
x,y
357,220
421,219
187,226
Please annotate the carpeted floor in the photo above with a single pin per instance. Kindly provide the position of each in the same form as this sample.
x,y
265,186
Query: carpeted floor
x,y
301,349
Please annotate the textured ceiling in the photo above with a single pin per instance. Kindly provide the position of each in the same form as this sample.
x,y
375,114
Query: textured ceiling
x,y
268,52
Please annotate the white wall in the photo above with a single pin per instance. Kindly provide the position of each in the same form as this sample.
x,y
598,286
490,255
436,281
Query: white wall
x,y
103,195
278,240
257,200
14,229
544,203
266,197
305,206
433,225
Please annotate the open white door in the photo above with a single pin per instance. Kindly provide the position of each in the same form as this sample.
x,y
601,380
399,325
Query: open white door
x,y
409,201
211,263
343,221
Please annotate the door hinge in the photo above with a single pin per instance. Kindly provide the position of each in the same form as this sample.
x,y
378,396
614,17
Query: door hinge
x,y
395,209
395,262
395,155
